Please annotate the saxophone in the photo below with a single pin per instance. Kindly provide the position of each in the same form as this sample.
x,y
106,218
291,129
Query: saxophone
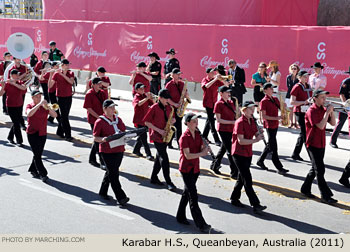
x,y
169,129
183,102
237,112
284,112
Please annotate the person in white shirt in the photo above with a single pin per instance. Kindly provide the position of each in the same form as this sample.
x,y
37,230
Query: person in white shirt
x,y
274,75
317,80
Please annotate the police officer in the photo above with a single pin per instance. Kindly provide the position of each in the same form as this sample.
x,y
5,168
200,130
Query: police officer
x,y
171,63
154,68
344,95
55,53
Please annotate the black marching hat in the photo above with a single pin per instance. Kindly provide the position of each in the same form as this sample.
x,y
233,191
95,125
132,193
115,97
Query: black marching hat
x,y
171,51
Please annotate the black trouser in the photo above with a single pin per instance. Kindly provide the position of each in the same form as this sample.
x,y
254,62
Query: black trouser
x,y
37,143
271,146
226,138
346,173
142,141
15,114
4,108
22,118
238,94
302,135
112,161
155,85
190,195
65,104
244,179
341,120
53,100
95,150
45,91
318,171
161,162
178,127
210,125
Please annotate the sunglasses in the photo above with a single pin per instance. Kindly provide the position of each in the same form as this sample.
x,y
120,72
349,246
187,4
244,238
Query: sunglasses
x,y
294,69
262,67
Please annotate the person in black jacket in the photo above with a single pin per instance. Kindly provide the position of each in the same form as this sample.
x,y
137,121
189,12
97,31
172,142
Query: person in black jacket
x,y
238,77
171,63
292,79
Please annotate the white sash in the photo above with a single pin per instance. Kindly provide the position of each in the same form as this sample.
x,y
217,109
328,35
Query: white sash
x,y
117,142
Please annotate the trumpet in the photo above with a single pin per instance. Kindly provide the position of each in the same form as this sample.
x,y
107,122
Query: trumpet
x,y
54,106
154,97
342,107
225,77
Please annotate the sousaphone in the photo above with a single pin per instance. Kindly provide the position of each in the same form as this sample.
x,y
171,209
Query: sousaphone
x,y
21,46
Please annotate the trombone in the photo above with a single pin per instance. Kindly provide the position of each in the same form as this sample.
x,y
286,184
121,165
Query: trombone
x,y
342,107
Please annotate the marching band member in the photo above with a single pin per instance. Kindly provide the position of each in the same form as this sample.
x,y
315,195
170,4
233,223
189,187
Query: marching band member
x,y
140,75
141,103
225,112
154,68
210,85
191,149
316,119
344,180
170,64
344,93
3,65
242,140
107,125
15,89
156,120
37,113
94,99
269,107
64,80
105,81
175,88
46,75
38,69
300,94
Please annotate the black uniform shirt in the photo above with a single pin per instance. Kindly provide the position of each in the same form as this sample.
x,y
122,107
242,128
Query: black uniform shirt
x,y
156,67
345,88
170,65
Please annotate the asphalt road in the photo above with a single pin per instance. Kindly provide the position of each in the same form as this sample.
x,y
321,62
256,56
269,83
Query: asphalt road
x,y
69,202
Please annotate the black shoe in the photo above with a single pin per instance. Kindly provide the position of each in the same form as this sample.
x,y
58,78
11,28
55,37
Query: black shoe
x,y
11,141
218,143
44,179
20,145
329,201
262,165
297,158
184,221
150,157
156,182
308,194
35,175
344,182
171,187
237,203
259,208
205,228
123,202
94,163
69,139
333,145
106,197
139,154
282,171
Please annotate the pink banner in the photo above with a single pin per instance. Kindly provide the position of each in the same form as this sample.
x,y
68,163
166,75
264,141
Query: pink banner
x,y
235,12
120,46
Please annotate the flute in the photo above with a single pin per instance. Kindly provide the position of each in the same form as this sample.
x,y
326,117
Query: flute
x,y
207,145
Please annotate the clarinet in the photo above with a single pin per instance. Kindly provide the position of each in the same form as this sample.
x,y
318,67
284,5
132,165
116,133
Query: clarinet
x,y
260,130
207,145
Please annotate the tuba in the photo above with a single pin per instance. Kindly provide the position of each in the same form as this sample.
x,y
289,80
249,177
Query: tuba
x,y
284,112
183,102
21,46
169,129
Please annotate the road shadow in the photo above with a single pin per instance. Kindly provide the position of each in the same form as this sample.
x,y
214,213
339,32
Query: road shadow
x,y
82,193
9,172
7,144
